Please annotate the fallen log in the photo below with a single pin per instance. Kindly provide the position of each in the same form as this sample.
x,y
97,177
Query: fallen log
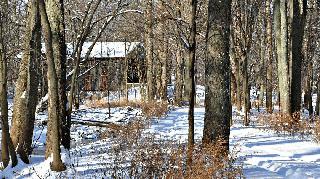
x,y
91,123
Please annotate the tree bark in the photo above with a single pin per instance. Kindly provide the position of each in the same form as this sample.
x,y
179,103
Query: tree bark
x,y
26,90
263,51
298,26
237,72
317,108
179,71
56,19
218,104
282,54
149,48
162,51
52,141
308,91
186,80
7,148
246,90
125,74
191,69
239,91
269,58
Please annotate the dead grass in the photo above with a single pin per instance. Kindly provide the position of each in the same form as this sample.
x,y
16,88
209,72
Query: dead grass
x,y
316,131
154,109
142,155
287,124
149,109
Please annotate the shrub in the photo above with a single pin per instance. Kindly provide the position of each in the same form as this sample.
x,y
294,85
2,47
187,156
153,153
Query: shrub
x,y
154,109
286,124
316,131
142,155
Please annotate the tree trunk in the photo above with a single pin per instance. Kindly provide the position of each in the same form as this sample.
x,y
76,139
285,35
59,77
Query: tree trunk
x,y
308,92
262,51
52,141
191,70
162,51
317,109
246,91
78,49
149,48
233,89
282,53
56,19
158,70
261,94
239,91
6,142
237,82
187,80
191,77
218,111
125,74
298,23
179,71
269,61
26,90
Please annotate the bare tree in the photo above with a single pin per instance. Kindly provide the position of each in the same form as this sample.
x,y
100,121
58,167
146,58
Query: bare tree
x,y
57,24
242,30
26,90
52,141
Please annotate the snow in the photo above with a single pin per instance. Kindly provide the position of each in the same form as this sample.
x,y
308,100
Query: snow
x,y
23,95
106,49
100,49
263,153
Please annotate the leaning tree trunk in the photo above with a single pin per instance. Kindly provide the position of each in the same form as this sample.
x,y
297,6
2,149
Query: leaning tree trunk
x,y
218,104
56,19
52,141
26,90
7,148
282,54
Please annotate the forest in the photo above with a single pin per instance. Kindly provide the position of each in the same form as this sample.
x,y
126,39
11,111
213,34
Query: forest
x,y
160,89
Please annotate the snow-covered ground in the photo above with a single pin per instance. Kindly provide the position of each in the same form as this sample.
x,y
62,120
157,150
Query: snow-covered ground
x,y
264,154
